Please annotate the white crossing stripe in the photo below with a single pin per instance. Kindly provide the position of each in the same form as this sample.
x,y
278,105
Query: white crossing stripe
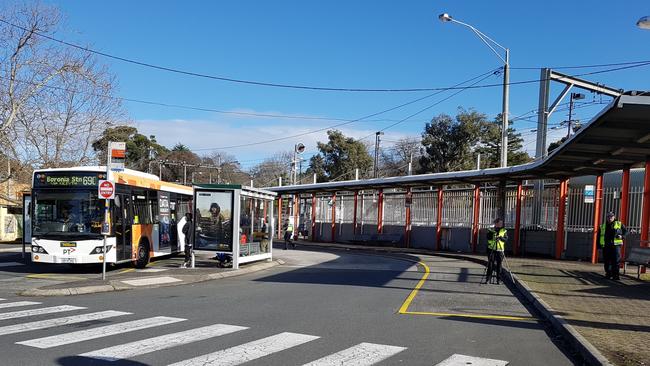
x,y
363,354
99,332
17,304
11,264
149,345
249,351
40,311
49,323
152,281
2,299
151,270
462,360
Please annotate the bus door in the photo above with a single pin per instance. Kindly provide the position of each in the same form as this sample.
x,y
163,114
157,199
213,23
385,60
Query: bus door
x,y
122,225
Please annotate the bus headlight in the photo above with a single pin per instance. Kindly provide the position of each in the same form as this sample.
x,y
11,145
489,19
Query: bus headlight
x,y
100,250
38,249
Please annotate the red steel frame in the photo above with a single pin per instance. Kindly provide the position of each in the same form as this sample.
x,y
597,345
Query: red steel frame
x,y
313,217
475,222
296,208
645,213
380,212
407,226
561,213
597,208
625,195
516,246
439,221
354,213
279,216
333,218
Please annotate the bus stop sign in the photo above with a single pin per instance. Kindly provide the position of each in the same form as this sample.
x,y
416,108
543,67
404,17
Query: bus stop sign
x,y
106,189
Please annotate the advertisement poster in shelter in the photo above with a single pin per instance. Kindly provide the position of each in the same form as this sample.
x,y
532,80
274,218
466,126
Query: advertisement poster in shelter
x,y
213,221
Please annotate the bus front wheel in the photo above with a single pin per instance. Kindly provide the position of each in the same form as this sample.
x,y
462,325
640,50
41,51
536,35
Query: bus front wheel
x,y
143,255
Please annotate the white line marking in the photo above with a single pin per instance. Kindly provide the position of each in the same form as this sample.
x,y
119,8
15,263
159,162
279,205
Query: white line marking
x,y
152,270
99,332
17,304
151,281
49,323
363,354
249,351
149,345
462,360
11,264
2,299
41,311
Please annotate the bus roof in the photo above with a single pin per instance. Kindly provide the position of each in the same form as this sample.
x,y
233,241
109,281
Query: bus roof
x,y
128,176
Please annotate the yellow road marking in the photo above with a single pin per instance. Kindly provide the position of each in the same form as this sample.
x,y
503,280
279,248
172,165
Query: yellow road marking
x,y
410,298
475,316
53,276
126,270
404,308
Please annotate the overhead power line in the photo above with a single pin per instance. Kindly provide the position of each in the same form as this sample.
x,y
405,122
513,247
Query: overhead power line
x,y
623,65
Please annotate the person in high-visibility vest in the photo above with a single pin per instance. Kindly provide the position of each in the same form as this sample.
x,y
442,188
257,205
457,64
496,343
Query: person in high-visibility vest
x,y
610,238
288,234
496,244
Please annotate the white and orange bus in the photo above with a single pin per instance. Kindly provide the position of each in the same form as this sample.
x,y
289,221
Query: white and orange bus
x,y
146,216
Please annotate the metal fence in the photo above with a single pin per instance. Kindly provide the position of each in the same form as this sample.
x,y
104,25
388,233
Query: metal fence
x,y
538,212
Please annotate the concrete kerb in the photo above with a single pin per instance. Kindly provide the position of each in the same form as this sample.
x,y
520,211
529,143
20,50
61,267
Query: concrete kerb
x,y
116,285
589,353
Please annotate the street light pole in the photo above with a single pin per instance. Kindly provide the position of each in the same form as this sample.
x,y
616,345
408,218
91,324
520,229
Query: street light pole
x,y
377,140
506,81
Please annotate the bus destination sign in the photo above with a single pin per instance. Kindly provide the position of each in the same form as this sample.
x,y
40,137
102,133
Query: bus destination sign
x,y
72,179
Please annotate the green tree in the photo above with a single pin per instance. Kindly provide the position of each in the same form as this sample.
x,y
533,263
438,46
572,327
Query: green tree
x,y
448,142
340,157
317,166
140,149
490,145
180,147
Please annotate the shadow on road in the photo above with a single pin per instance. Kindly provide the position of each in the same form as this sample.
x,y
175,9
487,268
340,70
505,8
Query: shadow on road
x,y
87,361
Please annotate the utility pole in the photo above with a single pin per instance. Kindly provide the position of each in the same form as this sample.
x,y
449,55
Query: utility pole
x,y
219,171
411,164
574,96
504,114
377,140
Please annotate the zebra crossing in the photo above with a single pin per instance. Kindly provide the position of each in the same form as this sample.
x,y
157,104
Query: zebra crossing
x,y
362,354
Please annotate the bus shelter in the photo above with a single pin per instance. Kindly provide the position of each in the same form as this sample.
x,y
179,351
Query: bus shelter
x,y
234,220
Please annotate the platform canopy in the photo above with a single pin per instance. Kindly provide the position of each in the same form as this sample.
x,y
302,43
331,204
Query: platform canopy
x,y
618,137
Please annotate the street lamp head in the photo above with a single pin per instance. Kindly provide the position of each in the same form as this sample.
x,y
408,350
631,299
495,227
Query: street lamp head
x,y
444,17
379,133
644,23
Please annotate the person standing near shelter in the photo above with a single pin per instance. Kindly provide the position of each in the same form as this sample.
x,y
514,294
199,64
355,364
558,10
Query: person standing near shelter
x,y
496,244
288,235
610,237
188,232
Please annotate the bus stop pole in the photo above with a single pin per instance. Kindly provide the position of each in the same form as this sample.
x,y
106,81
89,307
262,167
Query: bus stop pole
x,y
105,231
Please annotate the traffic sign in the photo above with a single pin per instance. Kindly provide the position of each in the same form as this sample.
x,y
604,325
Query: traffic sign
x,y
116,155
106,189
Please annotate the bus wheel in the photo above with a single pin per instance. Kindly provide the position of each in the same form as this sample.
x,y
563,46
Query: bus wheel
x,y
143,255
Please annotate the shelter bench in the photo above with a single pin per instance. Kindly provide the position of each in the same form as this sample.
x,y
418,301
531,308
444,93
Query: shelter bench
x,y
639,257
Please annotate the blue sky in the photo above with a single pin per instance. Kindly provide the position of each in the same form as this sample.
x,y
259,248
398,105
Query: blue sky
x,y
358,44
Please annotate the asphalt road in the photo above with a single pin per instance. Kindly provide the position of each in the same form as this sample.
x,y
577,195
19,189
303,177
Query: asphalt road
x,y
337,307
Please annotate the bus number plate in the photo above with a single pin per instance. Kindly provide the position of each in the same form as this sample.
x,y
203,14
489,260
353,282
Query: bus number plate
x,y
67,260
68,244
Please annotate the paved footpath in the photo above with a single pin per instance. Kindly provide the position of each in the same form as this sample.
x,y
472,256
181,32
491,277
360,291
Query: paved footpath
x,y
613,317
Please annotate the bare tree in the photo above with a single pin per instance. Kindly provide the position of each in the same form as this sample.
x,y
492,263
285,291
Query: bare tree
x,y
54,100
267,172
395,160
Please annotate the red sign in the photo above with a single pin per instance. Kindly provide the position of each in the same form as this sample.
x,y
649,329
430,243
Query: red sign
x,y
106,189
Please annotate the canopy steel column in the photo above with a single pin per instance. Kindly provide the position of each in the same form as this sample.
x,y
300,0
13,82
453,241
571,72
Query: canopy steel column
x,y
476,218
518,218
625,196
407,220
439,221
313,217
279,216
296,209
561,214
645,213
597,208
380,211
354,213
333,237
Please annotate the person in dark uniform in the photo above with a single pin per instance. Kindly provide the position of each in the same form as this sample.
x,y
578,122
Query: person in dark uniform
x,y
496,244
610,238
